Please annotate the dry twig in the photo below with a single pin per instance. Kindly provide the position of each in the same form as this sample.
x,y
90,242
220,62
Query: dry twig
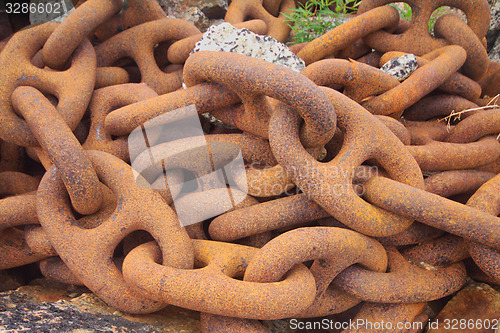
x,y
455,116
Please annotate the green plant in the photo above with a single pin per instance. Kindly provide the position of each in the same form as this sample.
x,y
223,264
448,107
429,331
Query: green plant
x,y
346,6
437,13
315,17
407,13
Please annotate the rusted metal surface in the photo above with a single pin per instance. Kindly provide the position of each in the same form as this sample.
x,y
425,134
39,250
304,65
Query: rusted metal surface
x,y
359,80
475,127
221,262
109,76
16,70
270,215
348,33
434,210
456,32
93,267
74,29
214,323
363,194
416,233
450,183
17,208
37,240
491,81
240,10
404,283
55,269
63,149
439,106
206,97
138,43
390,313
447,61
438,252
138,12
397,128
336,187
429,143
103,102
456,84
252,83
487,200
417,38
333,250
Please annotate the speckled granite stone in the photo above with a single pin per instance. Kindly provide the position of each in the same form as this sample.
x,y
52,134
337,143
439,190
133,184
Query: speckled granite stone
x,y
401,67
225,37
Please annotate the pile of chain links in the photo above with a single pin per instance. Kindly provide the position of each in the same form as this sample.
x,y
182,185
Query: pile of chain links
x,y
67,103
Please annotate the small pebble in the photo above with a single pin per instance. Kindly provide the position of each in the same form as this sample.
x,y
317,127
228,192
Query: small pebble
x,y
401,67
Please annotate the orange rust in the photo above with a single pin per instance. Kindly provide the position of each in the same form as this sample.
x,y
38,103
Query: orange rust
x,y
240,10
417,38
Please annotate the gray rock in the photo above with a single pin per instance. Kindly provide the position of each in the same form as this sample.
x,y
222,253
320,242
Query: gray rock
x,y
401,67
60,316
494,53
60,308
52,11
195,16
202,13
213,9
493,35
225,37
49,306
494,30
